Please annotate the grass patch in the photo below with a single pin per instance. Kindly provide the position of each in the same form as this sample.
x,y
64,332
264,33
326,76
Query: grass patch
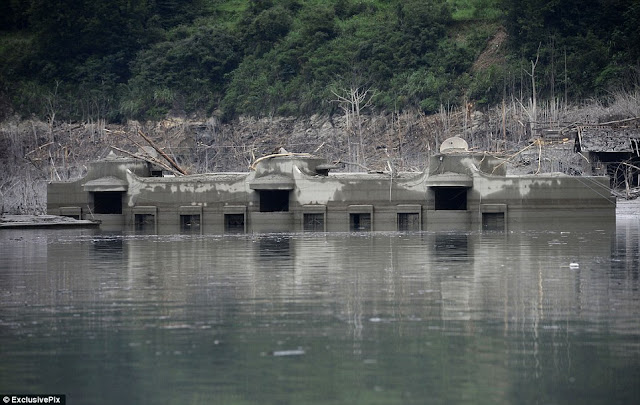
x,y
465,10
226,13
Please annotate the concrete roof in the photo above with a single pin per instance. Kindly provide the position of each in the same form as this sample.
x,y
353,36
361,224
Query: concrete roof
x,y
272,182
200,177
109,183
450,180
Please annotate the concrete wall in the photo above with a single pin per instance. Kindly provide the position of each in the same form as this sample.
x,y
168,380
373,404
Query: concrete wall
x,y
64,198
156,204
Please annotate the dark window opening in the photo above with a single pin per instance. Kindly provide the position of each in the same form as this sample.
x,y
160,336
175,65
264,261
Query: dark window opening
x,y
156,173
493,221
408,221
274,200
360,222
450,198
233,223
313,222
144,222
190,223
107,202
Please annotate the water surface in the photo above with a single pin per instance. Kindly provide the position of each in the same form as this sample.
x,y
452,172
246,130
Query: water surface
x,y
370,318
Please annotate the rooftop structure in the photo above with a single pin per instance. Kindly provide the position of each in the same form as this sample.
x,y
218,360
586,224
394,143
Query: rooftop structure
x,y
460,190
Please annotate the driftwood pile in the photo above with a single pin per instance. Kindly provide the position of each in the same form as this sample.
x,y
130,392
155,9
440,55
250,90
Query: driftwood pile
x,y
145,154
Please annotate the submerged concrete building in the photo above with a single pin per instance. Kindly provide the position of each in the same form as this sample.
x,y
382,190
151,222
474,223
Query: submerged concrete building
x,y
614,151
460,190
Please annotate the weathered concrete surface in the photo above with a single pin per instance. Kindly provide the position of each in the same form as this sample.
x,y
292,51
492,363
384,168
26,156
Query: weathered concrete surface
x,y
458,191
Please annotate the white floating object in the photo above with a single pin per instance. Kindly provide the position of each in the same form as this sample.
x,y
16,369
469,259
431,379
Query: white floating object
x,y
293,352
574,265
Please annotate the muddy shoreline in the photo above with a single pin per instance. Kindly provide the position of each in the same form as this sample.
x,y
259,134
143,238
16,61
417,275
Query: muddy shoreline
x,y
43,221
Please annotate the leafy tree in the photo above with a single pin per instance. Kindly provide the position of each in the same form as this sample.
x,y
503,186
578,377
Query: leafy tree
x,y
190,70
68,32
260,31
282,57
13,15
172,13
596,35
319,24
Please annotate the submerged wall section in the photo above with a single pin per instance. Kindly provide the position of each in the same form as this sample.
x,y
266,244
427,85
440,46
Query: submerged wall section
x,y
459,191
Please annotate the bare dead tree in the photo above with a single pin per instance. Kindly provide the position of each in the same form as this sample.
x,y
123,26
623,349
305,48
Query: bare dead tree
x,y
52,106
352,102
534,102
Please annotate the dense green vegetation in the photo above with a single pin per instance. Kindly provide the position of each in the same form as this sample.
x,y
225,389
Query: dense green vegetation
x,y
82,59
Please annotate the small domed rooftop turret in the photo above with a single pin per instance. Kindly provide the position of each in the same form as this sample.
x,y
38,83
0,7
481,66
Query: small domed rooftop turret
x,y
454,144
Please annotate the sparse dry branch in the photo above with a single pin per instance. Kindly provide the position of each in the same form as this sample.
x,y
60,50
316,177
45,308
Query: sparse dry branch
x,y
403,141
255,162
365,168
355,101
162,153
148,159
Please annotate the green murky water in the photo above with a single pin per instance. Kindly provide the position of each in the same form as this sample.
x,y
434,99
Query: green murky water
x,y
438,318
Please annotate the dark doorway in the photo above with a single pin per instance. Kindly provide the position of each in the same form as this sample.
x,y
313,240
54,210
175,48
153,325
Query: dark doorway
x,y
190,223
360,222
274,200
145,223
107,202
233,223
313,222
450,198
408,221
493,221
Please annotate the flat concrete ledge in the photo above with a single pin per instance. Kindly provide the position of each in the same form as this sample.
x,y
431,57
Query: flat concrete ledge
x,y
44,221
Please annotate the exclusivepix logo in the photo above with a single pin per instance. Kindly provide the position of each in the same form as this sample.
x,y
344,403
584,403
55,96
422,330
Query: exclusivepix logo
x,y
34,399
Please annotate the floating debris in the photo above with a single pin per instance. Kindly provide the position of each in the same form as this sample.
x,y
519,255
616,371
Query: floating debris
x,y
291,352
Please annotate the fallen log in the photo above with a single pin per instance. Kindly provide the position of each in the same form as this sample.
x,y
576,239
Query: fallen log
x,y
173,164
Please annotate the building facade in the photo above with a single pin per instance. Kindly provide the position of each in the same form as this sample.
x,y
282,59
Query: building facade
x,y
460,190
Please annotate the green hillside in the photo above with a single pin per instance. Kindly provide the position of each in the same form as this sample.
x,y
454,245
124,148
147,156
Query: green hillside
x,y
121,59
